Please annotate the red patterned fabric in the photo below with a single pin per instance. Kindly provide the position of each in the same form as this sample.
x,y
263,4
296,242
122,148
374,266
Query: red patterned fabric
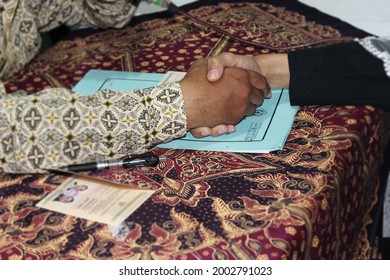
x,y
309,200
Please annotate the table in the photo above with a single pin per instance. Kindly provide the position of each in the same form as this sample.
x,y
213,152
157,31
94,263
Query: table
x,y
310,200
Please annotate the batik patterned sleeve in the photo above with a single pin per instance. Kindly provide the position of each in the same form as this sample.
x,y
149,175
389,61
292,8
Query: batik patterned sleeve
x,y
57,127
21,22
108,13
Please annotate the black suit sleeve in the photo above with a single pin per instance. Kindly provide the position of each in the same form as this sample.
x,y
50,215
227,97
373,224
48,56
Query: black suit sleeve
x,y
342,74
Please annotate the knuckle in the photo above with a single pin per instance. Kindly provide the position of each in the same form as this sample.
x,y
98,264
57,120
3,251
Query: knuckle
x,y
226,55
242,74
264,83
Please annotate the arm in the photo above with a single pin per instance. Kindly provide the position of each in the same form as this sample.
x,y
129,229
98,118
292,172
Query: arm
x,y
107,14
57,127
342,74
22,20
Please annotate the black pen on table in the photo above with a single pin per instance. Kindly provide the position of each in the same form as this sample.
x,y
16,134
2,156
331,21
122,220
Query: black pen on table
x,y
136,161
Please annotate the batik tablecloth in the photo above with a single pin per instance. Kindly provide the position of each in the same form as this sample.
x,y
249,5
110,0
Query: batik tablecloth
x,y
309,200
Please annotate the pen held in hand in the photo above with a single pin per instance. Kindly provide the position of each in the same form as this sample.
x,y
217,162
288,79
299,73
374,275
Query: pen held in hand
x,y
140,161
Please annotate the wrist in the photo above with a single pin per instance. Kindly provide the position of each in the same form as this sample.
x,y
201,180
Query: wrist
x,y
188,99
275,68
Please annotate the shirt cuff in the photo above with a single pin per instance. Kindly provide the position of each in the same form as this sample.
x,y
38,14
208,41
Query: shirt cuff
x,y
379,47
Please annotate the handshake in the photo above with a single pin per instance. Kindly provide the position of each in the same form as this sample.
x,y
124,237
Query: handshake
x,y
220,91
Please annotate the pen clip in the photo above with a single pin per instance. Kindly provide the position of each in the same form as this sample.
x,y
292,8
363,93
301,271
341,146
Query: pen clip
x,y
149,160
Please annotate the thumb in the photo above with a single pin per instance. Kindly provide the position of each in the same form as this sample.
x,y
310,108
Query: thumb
x,y
216,65
214,69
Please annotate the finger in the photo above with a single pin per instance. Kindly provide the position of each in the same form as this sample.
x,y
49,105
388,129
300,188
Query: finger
x,y
250,110
231,128
256,97
201,132
267,91
218,130
222,129
215,69
217,64
260,82
257,80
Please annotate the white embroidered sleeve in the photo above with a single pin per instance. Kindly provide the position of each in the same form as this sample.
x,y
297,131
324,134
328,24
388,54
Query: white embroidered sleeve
x,y
380,47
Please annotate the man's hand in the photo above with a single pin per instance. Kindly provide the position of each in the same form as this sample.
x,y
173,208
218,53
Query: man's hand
x,y
216,65
226,101
215,69
273,66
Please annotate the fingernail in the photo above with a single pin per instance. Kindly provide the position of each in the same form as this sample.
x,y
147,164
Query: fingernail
x,y
221,131
269,91
212,75
204,133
